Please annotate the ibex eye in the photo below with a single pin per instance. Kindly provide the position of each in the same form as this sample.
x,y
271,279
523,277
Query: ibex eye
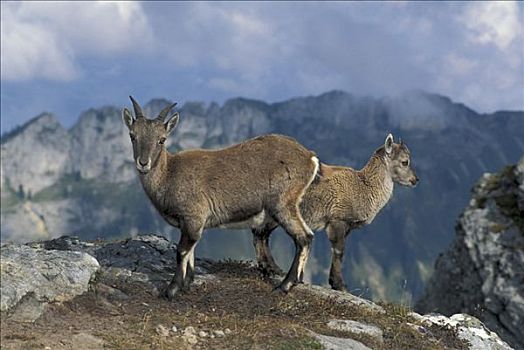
x,y
162,140
405,163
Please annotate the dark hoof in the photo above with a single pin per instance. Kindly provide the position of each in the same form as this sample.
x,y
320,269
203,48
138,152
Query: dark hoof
x,y
170,292
284,287
279,290
341,288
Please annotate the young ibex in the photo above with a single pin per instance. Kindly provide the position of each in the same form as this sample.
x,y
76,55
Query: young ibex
x,y
240,186
344,199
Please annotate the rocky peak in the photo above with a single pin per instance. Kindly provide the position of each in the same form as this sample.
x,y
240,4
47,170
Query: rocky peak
x,y
153,107
43,122
101,145
482,273
421,110
35,155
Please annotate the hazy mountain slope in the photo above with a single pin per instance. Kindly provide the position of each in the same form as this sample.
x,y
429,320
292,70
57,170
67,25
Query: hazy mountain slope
x,y
90,188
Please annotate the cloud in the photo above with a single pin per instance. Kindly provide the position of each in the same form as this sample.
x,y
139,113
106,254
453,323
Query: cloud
x,y
494,22
458,65
29,51
281,50
47,40
70,56
223,36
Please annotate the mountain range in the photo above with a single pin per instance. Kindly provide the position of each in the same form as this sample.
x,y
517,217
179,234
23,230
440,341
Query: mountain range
x,y
82,180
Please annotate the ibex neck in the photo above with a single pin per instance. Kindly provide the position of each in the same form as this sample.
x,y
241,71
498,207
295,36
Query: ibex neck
x,y
378,183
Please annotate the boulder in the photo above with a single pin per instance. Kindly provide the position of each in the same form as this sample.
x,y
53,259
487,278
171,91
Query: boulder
x,y
34,277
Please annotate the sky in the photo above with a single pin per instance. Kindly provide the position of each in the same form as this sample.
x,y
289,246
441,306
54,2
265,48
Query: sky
x,y
66,57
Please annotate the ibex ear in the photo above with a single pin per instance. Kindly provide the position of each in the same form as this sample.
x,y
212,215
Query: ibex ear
x,y
388,144
127,117
171,123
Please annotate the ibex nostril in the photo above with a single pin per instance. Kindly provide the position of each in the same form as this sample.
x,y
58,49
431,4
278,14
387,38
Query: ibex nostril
x,y
142,163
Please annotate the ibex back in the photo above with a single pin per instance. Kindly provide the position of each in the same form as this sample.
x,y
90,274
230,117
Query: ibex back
x,y
243,185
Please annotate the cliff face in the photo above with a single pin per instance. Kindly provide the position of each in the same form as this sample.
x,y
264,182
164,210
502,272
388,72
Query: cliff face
x,y
81,180
37,155
482,273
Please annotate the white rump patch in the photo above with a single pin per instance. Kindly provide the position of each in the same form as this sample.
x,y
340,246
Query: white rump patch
x,y
304,225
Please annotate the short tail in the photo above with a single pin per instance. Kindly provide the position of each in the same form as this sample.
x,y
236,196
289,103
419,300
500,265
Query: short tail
x,y
319,173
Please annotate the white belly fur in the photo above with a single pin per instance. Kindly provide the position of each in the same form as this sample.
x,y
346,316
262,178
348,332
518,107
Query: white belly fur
x,y
254,221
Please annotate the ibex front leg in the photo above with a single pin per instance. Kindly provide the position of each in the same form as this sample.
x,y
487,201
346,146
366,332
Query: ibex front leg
x,y
337,232
190,235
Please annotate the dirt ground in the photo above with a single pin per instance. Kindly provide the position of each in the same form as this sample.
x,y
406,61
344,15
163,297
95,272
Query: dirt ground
x,y
239,302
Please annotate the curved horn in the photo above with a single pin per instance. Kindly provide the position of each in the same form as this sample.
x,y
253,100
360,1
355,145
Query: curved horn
x,y
138,109
163,113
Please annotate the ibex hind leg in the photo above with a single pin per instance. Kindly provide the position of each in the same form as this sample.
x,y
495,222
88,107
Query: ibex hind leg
x,y
190,235
289,218
304,252
265,261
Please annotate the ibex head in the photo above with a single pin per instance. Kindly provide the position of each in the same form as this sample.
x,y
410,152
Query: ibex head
x,y
399,162
148,135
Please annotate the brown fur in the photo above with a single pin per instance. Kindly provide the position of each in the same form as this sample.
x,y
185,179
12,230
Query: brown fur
x,y
264,177
343,199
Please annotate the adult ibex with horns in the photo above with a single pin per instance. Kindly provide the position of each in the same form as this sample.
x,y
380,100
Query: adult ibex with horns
x,y
243,185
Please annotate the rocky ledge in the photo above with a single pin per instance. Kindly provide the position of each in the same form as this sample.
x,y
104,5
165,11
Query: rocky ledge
x,y
66,293
482,273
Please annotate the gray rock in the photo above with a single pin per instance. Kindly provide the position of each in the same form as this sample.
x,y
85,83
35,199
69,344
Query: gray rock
x,y
357,328
340,297
162,331
482,273
33,277
189,335
336,343
219,333
469,329
148,259
189,330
